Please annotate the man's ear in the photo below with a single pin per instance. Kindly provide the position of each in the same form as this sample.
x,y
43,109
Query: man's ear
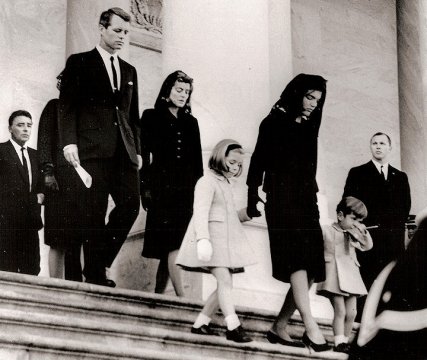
x,y
340,215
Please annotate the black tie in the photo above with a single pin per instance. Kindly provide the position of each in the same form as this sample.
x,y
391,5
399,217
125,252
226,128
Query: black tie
x,y
116,88
25,166
382,173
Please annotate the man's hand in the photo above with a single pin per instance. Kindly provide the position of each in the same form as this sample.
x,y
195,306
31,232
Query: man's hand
x,y
204,250
139,161
50,183
40,198
146,199
71,154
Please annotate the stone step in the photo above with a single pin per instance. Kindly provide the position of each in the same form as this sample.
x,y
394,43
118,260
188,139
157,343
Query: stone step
x,y
54,296
126,338
103,322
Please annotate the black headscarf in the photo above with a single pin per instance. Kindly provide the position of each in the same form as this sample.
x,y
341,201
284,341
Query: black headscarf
x,y
162,99
291,99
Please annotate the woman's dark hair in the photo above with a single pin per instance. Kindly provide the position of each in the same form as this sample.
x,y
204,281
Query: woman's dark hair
x,y
163,97
291,99
220,152
352,205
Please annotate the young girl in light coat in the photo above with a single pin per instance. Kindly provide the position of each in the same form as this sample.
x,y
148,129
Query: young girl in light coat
x,y
343,283
215,241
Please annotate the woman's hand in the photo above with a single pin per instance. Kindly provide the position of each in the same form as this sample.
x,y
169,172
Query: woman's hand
x,y
253,199
204,250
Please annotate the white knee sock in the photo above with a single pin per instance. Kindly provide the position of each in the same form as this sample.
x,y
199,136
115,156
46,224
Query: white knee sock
x,y
338,339
201,320
232,322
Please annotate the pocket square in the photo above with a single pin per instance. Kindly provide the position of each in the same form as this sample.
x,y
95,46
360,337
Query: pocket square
x,y
130,83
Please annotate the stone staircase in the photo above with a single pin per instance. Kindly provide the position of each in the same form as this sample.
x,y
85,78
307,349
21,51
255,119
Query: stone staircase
x,y
46,319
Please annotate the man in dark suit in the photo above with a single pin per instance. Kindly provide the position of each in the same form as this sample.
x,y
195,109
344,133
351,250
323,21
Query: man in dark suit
x,y
385,192
99,127
20,218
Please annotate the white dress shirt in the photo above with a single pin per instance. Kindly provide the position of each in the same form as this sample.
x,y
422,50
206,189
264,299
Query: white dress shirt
x,y
385,168
19,152
106,58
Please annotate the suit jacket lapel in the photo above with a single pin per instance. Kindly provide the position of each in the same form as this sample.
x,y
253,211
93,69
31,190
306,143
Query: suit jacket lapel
x,y
15,158
34,168
103,73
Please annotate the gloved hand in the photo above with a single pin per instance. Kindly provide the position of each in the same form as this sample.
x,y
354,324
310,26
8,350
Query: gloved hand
x,y
204,250
49,180
146,199
253,199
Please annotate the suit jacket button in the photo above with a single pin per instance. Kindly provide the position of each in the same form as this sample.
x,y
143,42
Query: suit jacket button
x,y
117,108
115,123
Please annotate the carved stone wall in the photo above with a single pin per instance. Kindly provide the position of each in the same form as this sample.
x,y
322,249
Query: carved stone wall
x,y
147,23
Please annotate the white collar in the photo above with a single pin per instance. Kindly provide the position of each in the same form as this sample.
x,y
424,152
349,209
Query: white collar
x,y
106,55
17,146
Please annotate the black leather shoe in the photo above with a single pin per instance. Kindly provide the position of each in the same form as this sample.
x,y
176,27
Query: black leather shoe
x,y
102,282
314,346
276,339
237,335
204,330
343,347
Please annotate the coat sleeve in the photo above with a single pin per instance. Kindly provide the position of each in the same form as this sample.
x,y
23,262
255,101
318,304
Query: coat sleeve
x,y
134,118
203,198
259,157
68,102
146,147
46,138
351,187
243,215
197,151
406,196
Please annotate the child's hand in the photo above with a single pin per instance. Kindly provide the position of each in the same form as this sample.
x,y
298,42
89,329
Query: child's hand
x,y
204,250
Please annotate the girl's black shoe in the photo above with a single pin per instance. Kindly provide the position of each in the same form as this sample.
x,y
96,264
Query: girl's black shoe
x,y
313,346
342,347
276,339
237,335
204,330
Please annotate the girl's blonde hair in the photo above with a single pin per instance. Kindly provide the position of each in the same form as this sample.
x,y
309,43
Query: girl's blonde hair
x,y
220,152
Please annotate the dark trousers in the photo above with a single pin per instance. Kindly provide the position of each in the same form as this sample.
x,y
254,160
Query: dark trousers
x,y
119,178
20,251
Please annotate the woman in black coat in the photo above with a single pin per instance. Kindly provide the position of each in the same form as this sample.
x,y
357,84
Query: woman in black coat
x,y
285,162
172,156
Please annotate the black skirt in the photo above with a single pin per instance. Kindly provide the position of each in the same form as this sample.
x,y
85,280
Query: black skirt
x,y
296,241
167,221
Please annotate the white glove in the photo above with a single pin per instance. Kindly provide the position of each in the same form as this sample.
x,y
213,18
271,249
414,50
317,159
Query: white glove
x,y
204,250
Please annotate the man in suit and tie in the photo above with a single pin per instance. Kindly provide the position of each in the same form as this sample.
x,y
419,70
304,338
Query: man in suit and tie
x,y
20,218
99,128
386,194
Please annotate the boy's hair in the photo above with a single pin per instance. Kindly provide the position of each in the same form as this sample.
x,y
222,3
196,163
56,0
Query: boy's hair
x,y
220,152
351,205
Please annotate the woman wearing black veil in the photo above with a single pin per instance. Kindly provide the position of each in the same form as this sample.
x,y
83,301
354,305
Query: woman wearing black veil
x,y
285,162
172,158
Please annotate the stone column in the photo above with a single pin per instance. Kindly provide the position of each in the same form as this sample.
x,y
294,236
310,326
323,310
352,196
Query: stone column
x,y
239,54
82,24
412,60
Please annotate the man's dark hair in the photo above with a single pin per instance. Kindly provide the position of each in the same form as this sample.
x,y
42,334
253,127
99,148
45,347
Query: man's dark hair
x,y
379,134
105,17
19,113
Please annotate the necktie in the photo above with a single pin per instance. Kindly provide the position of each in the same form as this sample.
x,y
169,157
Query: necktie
x,y
382,172
25,166
116,88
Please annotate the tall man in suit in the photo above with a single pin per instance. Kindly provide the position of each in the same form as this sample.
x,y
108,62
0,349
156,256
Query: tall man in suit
x,y
385,192
20,218
99,127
